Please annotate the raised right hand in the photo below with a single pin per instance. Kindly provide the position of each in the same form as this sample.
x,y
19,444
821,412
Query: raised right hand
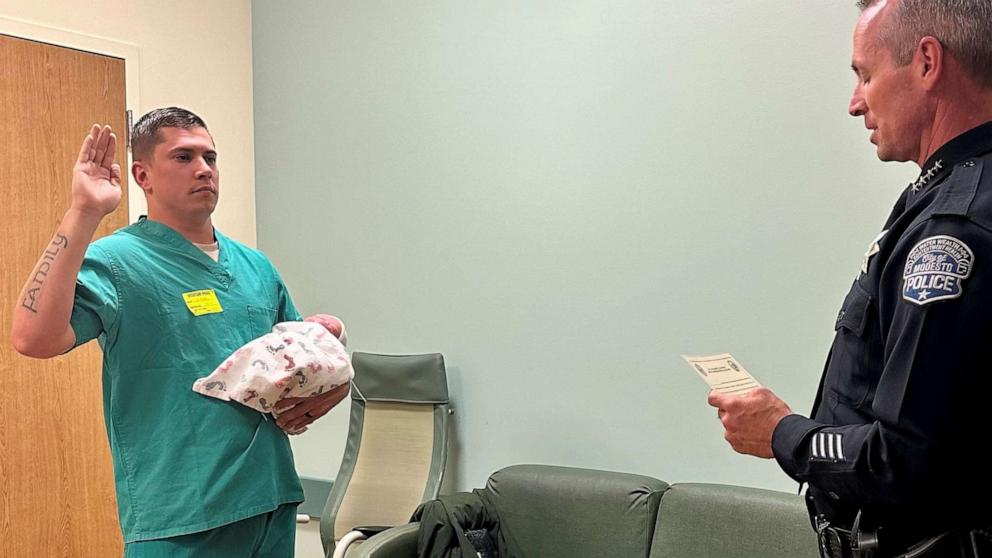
x,y
96,179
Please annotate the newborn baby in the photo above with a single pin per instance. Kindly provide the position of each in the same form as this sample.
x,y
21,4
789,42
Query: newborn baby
x,y
297,359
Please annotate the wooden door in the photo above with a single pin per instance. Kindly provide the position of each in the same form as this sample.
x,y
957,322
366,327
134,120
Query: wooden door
x,y
56,477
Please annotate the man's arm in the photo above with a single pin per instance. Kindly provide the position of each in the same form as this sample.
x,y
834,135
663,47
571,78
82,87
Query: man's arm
x,y
41,327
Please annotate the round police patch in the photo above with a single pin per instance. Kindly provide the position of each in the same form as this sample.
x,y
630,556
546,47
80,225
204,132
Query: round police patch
x,y
935,269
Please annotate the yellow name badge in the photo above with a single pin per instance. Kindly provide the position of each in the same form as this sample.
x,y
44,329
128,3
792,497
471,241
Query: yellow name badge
x,y
202,302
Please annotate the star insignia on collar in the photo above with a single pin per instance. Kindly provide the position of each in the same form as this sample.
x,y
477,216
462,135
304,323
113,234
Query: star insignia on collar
x,y
925,177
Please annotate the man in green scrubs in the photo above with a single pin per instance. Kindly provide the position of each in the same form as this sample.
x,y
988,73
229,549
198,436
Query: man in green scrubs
x,y
169,298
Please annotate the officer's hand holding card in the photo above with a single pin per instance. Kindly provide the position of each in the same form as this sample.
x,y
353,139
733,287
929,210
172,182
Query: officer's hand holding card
x,y
723,374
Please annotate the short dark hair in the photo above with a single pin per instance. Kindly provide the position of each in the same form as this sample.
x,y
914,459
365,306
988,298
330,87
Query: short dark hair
x,y
144,134
963,27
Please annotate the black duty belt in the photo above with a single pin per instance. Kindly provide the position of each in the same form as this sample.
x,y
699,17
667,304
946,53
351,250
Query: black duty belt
x,y
835,542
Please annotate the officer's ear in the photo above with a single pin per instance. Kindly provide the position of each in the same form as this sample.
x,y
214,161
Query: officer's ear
x,y
928,62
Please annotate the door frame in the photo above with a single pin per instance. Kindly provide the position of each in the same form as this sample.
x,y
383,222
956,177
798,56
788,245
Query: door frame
x,y
128,52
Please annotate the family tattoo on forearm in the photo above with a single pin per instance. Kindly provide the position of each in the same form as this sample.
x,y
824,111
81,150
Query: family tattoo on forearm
x,y
41,273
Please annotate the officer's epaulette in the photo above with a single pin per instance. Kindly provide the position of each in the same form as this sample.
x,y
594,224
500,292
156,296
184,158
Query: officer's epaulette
x,y
965,194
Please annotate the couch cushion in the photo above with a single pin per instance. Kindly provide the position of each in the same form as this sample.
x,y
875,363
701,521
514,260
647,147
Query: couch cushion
x,y
564,512
703,520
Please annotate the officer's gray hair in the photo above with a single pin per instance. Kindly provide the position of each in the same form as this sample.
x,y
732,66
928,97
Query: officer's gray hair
x,y
963,27
144,134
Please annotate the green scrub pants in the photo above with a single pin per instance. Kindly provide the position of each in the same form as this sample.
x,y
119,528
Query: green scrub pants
x,y
269,535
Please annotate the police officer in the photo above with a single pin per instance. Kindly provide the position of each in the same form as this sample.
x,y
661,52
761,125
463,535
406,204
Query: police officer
x,y
892,451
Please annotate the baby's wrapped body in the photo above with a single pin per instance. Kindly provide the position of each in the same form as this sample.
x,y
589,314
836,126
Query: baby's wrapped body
x,y
297,359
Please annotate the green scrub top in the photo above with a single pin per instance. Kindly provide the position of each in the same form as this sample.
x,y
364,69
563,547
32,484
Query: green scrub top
x,y
183,462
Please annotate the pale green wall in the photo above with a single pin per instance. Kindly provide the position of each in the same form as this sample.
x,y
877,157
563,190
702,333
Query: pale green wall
x,y
563,197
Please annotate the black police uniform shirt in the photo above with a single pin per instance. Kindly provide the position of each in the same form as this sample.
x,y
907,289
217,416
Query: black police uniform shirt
x,y
899,427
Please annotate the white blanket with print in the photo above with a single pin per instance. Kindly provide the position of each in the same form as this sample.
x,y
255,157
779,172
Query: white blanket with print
x,y
297,359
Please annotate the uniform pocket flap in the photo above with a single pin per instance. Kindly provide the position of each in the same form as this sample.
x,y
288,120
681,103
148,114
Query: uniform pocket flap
x,y
853,315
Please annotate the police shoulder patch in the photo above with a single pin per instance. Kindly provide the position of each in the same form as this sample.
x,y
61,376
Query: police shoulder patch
x,y
936,269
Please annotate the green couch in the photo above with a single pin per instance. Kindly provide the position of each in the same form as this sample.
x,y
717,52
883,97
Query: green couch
x,y
562,512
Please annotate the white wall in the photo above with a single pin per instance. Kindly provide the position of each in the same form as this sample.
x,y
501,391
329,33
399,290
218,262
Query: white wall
x,y
192,53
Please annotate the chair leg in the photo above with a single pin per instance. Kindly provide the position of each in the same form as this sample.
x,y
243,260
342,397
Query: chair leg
x,y
342,547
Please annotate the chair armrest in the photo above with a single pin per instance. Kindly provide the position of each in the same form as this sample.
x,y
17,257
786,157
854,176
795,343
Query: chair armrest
x,y
398,542
372,530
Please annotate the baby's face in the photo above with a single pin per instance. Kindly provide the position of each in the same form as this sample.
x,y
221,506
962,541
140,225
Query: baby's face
x,y
331,323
